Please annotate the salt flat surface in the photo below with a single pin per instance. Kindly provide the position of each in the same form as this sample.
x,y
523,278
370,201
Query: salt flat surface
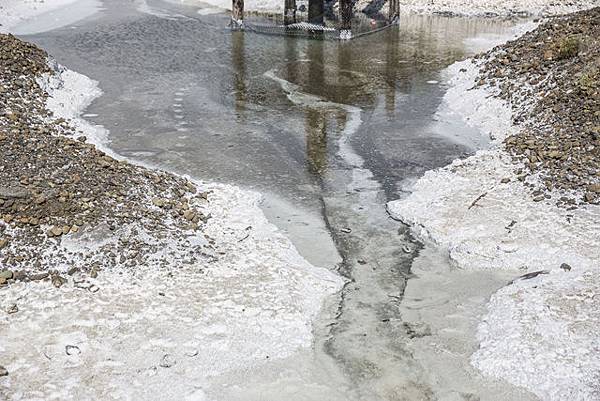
x,y
460,7
500,7
253,302
542,333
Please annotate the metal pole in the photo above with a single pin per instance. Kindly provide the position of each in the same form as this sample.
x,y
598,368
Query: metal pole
x,y
289,12
316,9
346,16
394,9
237,14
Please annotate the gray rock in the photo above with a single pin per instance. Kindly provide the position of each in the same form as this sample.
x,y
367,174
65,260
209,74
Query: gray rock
x,y
167,361
72,350
58,281
14,193
6,274
565,267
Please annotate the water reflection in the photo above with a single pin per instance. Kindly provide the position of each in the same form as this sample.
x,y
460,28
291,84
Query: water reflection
x,y
231,106
239,71
373,71
326,70
316,141
391,63
316,67
290,56
315,119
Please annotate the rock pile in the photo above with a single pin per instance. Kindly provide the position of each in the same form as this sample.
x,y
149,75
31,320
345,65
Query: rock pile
x,y
54,185
551,77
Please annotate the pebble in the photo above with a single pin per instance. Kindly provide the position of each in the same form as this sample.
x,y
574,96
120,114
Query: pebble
x,y
58,281
6,274
167,361
13,308
566,267
189,215
191,353
3,371
39,276
56,231
72,350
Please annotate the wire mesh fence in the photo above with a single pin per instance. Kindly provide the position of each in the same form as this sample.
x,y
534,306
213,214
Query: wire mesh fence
x,y
328,22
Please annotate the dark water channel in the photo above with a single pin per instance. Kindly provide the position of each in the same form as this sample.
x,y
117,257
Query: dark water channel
x,y
328,131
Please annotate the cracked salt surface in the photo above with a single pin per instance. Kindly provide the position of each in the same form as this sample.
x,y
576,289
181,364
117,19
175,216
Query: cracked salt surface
x,y
128,332
541,334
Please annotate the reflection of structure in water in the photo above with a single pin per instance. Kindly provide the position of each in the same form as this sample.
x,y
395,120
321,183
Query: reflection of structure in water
x,y
318,18
336,73
316,140
391,64
239,70
316,120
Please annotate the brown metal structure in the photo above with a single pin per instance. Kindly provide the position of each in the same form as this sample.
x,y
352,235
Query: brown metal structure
x,y
314,23
237,13
289,12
